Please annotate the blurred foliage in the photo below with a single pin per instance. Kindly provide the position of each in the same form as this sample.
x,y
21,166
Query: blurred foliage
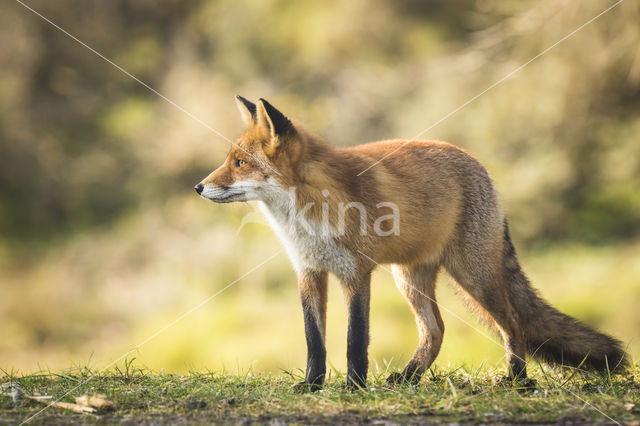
x,y
102,240
78,137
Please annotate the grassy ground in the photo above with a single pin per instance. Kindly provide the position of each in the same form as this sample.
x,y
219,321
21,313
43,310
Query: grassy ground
x,y
443,396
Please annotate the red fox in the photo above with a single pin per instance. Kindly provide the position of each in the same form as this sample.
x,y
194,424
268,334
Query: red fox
x,y
426,206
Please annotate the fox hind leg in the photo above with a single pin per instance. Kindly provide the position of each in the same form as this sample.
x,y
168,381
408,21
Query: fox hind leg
x,y
417,285
514,343
487,292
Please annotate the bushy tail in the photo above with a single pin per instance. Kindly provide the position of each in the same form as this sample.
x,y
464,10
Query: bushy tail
x,y
552,336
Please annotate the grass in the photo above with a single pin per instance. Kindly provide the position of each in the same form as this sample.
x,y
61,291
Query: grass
x,y
456,395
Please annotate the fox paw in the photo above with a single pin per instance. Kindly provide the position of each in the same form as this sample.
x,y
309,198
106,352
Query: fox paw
x,y
394,379
304,387
352,385
522,385
526,385
398,378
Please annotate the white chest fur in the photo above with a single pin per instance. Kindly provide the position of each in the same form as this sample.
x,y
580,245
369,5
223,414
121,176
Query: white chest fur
x,y
309,245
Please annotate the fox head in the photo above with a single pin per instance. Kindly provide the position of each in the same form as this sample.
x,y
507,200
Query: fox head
x,y
265,157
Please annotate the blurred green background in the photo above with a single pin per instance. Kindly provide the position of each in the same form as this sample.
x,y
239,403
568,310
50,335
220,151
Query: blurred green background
x,y
103,240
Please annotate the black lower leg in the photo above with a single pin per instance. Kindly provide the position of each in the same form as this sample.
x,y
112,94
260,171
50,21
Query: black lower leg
x,y
517,368
515,358
410,374
358,338
316,352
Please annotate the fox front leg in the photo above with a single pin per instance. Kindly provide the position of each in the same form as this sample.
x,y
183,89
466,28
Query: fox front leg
x,y
313,294
357,296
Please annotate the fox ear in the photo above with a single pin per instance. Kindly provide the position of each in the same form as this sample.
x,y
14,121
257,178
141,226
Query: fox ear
x,y
269,117
247,110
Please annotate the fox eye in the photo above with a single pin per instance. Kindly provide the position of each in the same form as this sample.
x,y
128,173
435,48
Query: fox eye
x,y
239,163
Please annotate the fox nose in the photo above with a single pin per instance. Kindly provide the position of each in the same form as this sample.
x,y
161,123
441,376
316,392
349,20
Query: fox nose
x,y
199,187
